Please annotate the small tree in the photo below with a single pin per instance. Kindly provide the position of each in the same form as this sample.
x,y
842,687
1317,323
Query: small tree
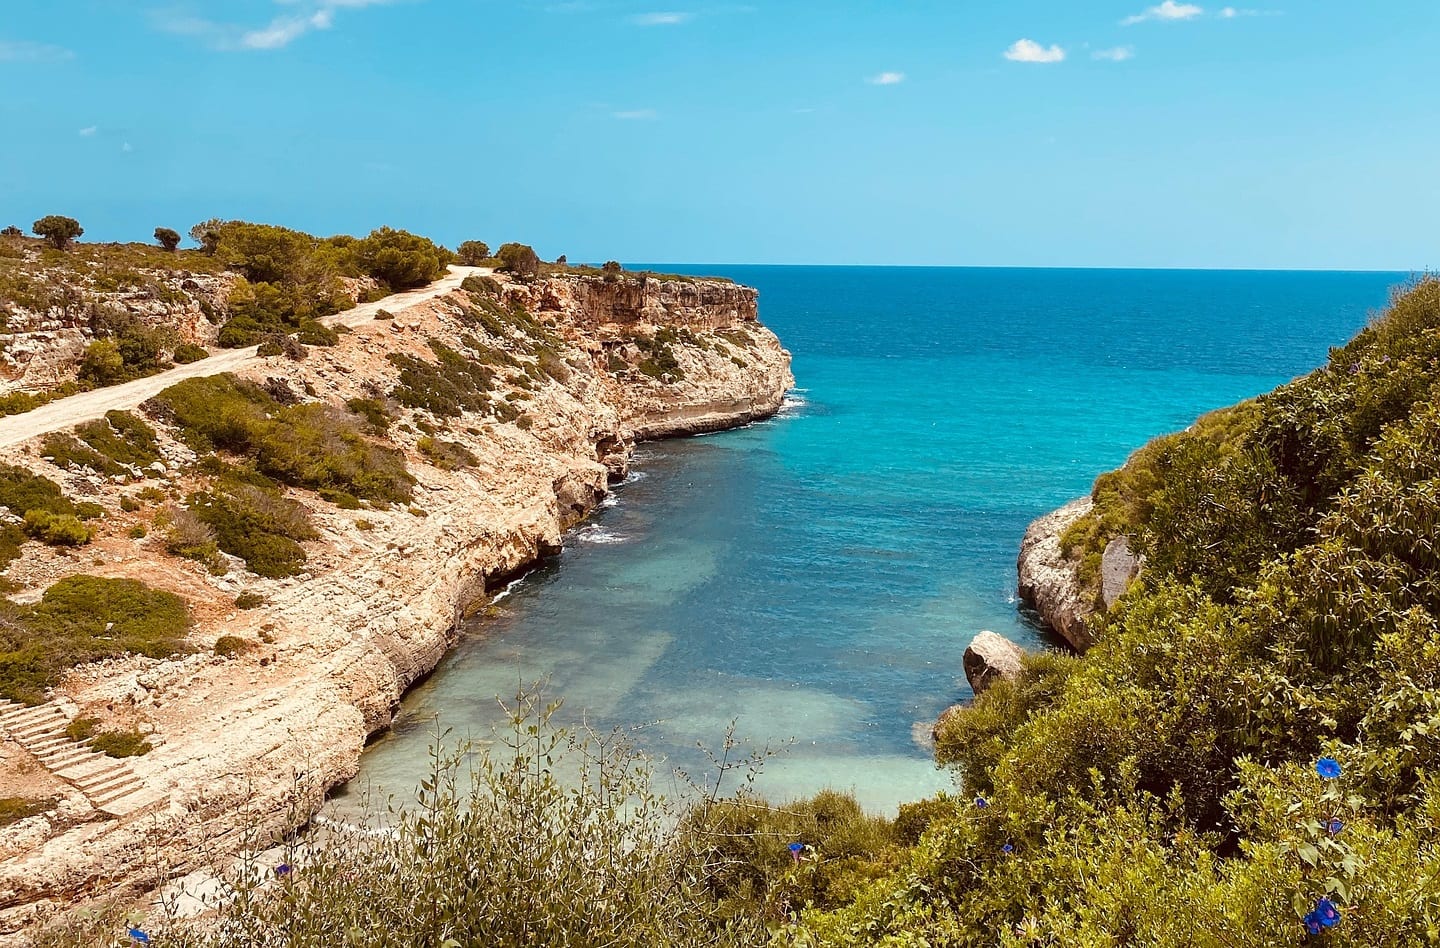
x,y
519,259
57,230
169,239
207,234
472,253
561,261
12,231
612,266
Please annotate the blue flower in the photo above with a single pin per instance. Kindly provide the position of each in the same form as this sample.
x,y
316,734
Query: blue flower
x,y
981,803
282,870
1327,913
1312,924
1007,848
1334,826
797,847
138,936
1328,767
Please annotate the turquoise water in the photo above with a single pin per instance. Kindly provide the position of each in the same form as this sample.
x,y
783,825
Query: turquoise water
x,y
817,577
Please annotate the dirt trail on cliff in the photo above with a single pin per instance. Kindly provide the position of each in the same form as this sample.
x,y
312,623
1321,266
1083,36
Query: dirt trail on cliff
x,y
77,409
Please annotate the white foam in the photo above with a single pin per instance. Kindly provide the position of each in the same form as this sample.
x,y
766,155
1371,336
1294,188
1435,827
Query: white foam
x,y
611,500
509,588
598,534
634,477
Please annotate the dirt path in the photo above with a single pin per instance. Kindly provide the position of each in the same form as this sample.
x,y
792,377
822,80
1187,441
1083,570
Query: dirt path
x,y
77,409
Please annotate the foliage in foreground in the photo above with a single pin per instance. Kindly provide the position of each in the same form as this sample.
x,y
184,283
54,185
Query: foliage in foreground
x,y
1255,737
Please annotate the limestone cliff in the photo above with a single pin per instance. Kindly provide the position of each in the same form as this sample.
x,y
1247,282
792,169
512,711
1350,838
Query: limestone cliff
x,y
259,737
1050,581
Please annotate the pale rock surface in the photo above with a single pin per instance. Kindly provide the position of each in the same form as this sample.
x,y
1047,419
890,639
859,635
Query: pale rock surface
x,y
989,658
1049,581
1118,569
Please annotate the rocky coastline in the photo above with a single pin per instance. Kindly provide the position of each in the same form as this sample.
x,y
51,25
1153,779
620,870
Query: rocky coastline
x,y
250,743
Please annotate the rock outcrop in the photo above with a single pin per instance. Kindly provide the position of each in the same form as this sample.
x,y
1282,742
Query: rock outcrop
x,y
1049,581
256,739
989,658
1118,569
633,299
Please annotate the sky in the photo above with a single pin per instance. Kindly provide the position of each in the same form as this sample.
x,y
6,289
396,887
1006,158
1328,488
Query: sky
x,y
1108,133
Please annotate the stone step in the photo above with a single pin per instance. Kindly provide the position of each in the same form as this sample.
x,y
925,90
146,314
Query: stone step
x,y
15,719
31,731
103,783
114,791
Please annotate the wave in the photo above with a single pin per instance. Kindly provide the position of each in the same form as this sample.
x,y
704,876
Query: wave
x,y
509,588
598,534
611,500
634,477
794,403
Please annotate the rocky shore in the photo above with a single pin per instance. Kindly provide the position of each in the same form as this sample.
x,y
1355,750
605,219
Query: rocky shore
x,y
251,741
1049,581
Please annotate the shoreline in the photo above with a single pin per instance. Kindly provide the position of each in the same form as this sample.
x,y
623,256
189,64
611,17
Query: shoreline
x,y
375,613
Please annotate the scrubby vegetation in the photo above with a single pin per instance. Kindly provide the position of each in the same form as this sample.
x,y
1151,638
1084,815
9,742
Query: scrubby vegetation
x,y
46,513
118,444
82,619
15,809
309,445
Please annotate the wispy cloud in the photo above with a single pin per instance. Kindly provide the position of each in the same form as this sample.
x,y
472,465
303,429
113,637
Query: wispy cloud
x,y
661,19
308,16
1117,54
1169,10
20,51
636,115
89,131
1029,51
886,79
126,147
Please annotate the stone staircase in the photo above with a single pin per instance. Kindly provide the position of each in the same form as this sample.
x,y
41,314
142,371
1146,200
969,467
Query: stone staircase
x,y
110,785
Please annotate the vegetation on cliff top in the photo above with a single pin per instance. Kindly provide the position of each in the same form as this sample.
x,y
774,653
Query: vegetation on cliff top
x,y
82,619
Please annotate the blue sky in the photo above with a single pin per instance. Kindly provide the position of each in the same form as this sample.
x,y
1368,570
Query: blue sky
x,y
1298,133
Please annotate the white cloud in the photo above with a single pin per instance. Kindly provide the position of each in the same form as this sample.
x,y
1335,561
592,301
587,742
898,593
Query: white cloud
x,y
20,51
281,31
1029,51
1168,10
89,131
126,148
661,19
1117,54
886,79
637,115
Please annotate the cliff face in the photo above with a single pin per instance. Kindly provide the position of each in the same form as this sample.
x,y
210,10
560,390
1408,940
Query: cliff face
x,y
258,738
698,304
1050,581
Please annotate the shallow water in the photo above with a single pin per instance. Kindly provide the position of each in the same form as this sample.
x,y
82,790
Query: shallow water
x,y
816,578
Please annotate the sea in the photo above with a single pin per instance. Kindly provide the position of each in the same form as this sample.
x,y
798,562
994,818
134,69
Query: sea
x,y
809,584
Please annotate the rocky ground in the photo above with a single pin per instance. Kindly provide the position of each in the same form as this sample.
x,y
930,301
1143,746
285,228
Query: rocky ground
x,y
254,740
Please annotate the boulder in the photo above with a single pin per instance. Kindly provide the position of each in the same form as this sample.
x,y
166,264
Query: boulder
x,y
1118,569
989,658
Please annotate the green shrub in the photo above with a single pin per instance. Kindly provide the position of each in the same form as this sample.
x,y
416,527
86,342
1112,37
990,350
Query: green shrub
x,y
139,532
188,352
121,744
472,253
168,238
58,231
110,446
229,646
481,285
15,809
249,600
399,259
314,333
56,529
261,527
519,260
83,619
447,387
125,349
186,535
308,445
81,729
446,455
374,410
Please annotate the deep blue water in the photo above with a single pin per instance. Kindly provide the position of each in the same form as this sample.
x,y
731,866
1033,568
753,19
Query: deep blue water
x,y
816,578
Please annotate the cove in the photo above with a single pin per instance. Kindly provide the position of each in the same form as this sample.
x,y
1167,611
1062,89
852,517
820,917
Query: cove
x,y
815,578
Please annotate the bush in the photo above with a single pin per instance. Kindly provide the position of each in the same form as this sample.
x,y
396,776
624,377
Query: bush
x,y
520,260
56,529
83,619
188,352
308,445
314,333
401,260
259,526
249,600
446,455
472,253
12,231
187,536
447,387
229,646
121,744
58,231
499,851
126,349
15,809
167,238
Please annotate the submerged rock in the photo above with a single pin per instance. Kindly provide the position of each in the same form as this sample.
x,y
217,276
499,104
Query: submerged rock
x,y
989,658
1050,581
